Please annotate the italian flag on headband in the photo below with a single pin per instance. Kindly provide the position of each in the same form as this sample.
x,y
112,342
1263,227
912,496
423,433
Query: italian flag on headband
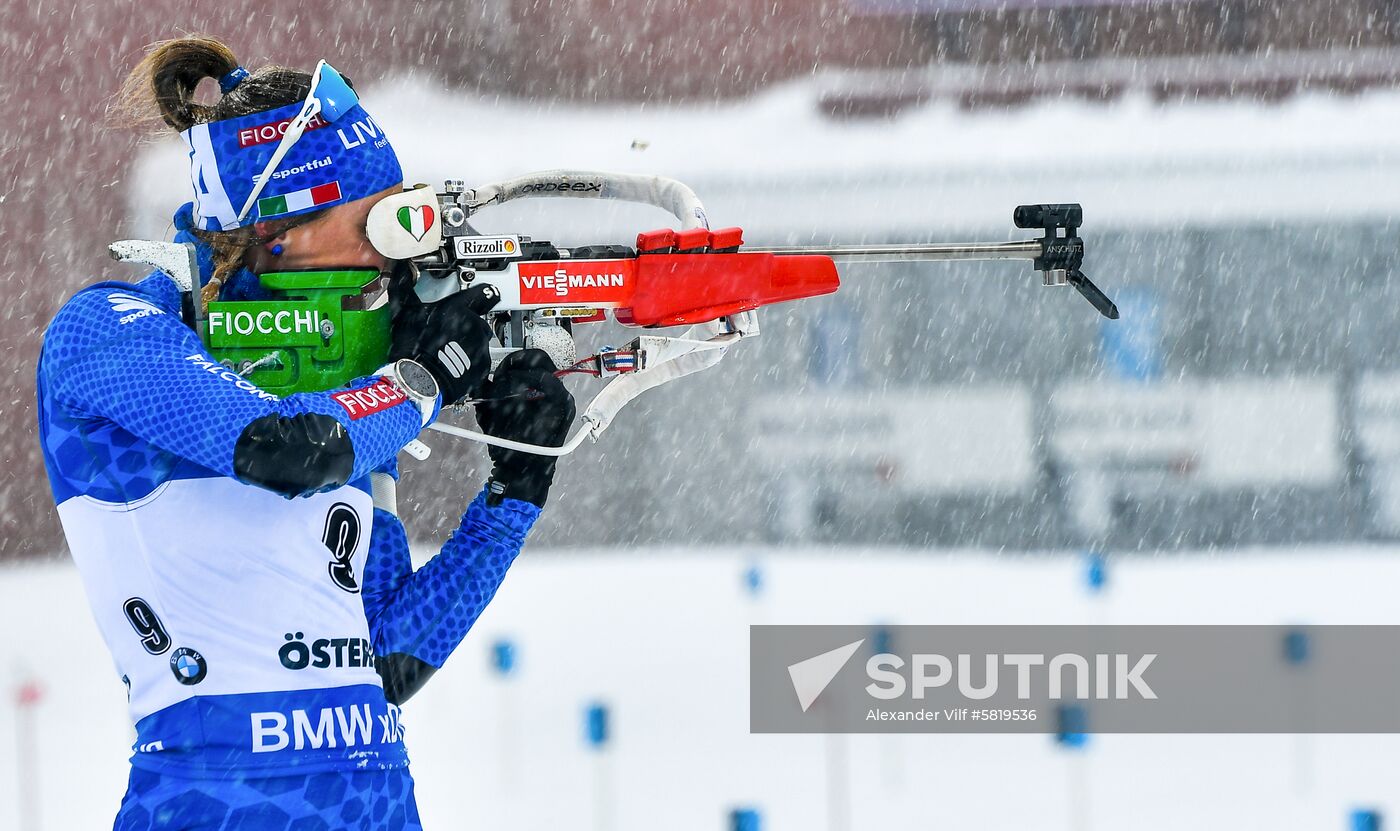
x,y
298,200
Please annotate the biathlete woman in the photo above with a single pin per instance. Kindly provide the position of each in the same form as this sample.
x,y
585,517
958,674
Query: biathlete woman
x,y
239,551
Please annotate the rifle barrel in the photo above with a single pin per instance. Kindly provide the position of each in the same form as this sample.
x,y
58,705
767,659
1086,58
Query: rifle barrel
x,y
1027,250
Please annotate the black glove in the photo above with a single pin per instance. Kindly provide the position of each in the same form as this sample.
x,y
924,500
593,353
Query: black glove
x,y
449,337
524,402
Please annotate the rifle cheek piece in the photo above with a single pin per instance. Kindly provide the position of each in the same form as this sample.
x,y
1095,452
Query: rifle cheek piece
x,y
406,225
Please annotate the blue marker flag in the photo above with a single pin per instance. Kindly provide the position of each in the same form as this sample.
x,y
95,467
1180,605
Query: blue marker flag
x,y
753,579
1071,726
1096,571
503,656
596,724
745,819
1297,647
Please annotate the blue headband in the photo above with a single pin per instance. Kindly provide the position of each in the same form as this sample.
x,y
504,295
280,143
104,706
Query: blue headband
x,y
341,156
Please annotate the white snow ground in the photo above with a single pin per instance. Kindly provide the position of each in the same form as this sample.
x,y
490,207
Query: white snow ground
x,y
663,639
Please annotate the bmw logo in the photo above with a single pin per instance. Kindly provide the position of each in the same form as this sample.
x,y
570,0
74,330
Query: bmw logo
x,y
188,666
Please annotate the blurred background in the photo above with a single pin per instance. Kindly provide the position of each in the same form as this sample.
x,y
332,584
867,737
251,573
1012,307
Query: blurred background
x,y
936,443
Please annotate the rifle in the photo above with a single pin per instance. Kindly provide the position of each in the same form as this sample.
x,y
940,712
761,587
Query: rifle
x,y
314,335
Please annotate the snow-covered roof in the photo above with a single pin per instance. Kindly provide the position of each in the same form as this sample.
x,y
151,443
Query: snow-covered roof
x,y
774,165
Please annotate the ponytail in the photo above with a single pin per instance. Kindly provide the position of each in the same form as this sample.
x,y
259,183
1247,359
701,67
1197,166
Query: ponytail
x,y
162,87
163,84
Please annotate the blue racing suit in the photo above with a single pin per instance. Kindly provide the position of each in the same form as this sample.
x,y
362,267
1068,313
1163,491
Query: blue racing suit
x,y
256,602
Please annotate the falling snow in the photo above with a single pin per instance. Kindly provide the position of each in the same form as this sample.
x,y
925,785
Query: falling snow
x,y
930,425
